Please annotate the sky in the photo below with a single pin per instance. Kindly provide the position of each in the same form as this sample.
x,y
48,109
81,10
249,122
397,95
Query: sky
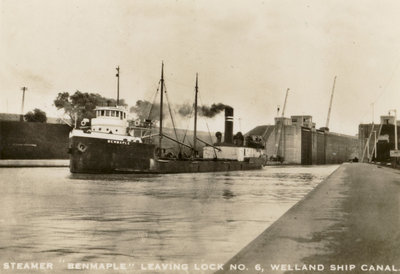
x,y
247,53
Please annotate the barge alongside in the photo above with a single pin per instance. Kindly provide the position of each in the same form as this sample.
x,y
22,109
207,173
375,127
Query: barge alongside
x,y
110,145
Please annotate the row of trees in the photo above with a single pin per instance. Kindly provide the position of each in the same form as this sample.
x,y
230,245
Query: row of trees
x,y
82,104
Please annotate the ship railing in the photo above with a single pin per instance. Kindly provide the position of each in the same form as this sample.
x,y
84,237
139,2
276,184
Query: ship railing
x,y
208,144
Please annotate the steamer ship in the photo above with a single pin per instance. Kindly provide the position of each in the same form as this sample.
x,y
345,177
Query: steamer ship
x,y
109,144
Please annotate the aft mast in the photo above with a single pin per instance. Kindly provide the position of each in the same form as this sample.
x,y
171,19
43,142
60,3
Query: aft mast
x,y
195,117
161,109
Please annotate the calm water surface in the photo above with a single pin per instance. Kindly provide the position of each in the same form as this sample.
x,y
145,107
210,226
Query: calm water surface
x,y
47,214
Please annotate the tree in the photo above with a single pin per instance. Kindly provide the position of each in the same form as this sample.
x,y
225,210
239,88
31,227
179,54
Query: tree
x,y
37,115
82,104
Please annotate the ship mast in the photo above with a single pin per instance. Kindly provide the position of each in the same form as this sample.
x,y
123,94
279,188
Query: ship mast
x,y
117,68
161,109
195,116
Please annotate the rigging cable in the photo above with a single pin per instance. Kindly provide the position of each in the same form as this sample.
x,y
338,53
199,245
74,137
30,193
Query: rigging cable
x,y
384,89
153,101
187,128
209,132
172,118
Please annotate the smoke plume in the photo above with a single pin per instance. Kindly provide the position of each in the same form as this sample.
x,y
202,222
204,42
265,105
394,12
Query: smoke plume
x,y
146,110
211,111
205,111
185,110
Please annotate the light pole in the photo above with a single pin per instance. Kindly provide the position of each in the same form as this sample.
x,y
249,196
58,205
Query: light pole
x,y
395,128
375,147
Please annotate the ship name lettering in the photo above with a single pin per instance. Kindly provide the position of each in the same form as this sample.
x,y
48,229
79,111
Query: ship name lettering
x,y
117,142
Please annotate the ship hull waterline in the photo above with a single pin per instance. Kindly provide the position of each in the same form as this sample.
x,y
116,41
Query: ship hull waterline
x,y
97,156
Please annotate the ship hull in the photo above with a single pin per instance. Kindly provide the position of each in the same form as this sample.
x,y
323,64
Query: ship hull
x,y
98,155
192,166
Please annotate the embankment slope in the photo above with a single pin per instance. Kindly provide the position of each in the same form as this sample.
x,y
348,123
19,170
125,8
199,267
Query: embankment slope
x,y
352,218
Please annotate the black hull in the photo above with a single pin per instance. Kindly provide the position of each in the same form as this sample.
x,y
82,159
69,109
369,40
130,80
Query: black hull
x,y
95,155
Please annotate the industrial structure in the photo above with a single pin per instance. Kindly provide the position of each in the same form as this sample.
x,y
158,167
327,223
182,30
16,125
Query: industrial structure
x,y
296,140
299,142
377,140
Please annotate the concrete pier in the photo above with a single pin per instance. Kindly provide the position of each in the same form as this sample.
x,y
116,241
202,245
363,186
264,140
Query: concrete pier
x,y
350,223
34,163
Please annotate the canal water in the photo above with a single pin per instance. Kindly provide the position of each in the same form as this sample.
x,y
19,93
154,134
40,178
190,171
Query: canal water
x,y
50,215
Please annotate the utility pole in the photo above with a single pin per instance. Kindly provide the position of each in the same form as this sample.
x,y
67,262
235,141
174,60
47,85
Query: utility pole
x,y
117,85
23,102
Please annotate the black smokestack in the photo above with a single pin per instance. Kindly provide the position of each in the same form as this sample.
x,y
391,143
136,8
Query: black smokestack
x,y
228,136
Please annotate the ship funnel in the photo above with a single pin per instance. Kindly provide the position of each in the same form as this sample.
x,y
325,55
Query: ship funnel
x,y
228,136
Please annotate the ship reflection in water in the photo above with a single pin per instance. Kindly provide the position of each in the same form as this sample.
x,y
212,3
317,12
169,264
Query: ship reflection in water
x,y
47,214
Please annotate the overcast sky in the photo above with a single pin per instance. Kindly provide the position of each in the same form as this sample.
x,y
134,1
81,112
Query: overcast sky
x,y
247,53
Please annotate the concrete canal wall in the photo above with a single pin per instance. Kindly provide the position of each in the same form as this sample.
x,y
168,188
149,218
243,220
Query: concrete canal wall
x,y
340,148
351,220
302,145
24,140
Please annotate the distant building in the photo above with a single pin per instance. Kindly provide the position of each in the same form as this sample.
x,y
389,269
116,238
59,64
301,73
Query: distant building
x,y
382,135
303,121
387,120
